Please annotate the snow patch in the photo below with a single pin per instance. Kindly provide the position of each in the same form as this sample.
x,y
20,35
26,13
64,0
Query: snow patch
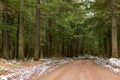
x,y
3,68
112,64
115,70
3,77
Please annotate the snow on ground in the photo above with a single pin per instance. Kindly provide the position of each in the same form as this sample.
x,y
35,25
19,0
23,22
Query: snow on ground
x,y
24,73
112,64
16,71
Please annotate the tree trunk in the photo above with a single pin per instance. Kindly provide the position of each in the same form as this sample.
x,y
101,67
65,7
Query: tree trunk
x,y
83,46
114,31
119,41
37,32
5,44
5,32
21,38
49,37
119,48
63,48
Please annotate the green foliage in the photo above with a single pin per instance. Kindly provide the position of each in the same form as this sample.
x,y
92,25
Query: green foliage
x,y
85,23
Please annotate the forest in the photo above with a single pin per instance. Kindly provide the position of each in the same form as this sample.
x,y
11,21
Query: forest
x,y
59,39
59,28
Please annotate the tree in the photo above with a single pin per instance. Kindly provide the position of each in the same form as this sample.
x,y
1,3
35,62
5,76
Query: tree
x,y
20,33
37,31
114,29
5,32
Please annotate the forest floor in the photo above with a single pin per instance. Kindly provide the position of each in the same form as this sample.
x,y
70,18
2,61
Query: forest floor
x,y
61,69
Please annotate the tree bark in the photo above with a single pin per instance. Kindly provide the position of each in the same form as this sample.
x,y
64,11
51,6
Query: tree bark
x,y
21,38
114,31
5,32
49,37
37,32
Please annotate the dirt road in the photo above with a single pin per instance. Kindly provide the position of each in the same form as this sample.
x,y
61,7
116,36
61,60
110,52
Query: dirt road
x,y
80,70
